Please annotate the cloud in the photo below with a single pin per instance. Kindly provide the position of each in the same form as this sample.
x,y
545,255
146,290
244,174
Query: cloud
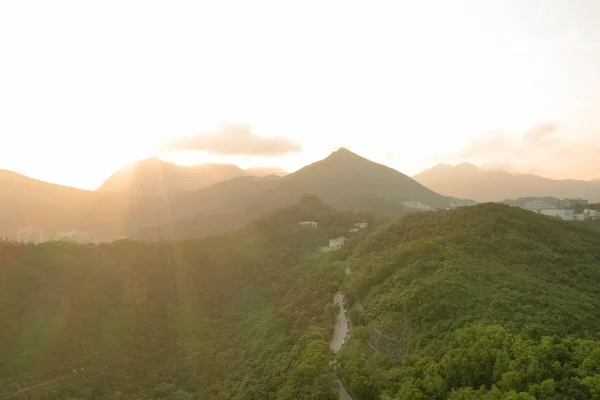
x,y
490,144
541,135
234,139
504,146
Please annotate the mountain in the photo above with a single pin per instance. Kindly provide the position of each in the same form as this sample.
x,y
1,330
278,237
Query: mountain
x,y
344,176
484,302
154,176
344,180
482,184
266,171
30,202
155,199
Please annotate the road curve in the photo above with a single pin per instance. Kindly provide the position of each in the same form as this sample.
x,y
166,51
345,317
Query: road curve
x,y
342,393
341,325
340,333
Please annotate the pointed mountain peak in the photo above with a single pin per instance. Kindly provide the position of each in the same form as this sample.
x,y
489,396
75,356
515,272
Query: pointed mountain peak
x,y
441,166
150,161
343,154
343,150
467,166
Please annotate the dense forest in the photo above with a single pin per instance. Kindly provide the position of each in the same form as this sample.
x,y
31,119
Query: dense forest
x,y
245,315
489,302
483,302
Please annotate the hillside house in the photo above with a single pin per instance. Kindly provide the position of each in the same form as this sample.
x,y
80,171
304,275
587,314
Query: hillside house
x,y
417,205
361,225
337,243
579,217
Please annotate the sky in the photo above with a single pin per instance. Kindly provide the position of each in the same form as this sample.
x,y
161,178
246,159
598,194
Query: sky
x,y
88,87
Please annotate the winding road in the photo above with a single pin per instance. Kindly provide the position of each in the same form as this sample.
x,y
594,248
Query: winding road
x,y
341,325
340,333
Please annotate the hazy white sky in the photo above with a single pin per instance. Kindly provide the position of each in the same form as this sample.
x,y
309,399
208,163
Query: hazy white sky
x,y
86,87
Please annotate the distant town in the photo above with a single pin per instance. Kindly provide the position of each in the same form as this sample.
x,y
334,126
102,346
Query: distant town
x,y
36,235
563,209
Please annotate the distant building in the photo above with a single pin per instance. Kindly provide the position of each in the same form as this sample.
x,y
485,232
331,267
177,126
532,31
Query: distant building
x,y
417,205
30,235
568,203
579,217
536,205
337,243
78,237
311,224
354,230
566,215
361,225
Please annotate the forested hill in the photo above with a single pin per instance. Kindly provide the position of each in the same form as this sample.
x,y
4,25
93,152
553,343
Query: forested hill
x,y
240,316
480,302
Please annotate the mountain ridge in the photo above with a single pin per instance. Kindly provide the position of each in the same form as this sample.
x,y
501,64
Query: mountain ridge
x,y
344,179
153,175
483,184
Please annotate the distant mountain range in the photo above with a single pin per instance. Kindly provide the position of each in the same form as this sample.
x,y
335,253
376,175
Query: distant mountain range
x,y
155,176
344,180
486,184
154,199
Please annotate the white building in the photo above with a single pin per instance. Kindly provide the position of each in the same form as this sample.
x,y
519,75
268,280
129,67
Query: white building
x,y
78,237
30,235
417,205
337,243
579,217
311,224
566,215
361,225
535,205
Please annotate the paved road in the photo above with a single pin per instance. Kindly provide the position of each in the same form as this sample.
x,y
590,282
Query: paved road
x,y
342,393
339,335
341,325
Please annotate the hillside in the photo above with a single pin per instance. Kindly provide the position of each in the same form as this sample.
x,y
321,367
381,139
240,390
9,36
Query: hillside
x,y
154,199
154,176
483,184
464,297
265,171
345,176
241,316
344,180
130,200
31,202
